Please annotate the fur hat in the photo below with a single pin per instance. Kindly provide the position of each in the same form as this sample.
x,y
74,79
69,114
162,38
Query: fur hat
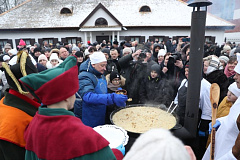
x,y
97,57
162,145
224,58
7,46
22,43
114,74
21,68
42,57
234,89
127,49
214,64
161,52
115,42
45,84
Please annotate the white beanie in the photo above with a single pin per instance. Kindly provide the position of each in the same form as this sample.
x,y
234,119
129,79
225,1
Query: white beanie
x,y
224,58
6,57
237,68
234,89
127,49
86,52
157,144
97,57
161,52
75,48
13,51
54,56
42,57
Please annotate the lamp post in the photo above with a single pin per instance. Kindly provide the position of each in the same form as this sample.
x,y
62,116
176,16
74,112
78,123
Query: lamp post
x,y
188,131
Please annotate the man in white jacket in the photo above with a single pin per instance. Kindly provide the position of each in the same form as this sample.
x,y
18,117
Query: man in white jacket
x,y
228,131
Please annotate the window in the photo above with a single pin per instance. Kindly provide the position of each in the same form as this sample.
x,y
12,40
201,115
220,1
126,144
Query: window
x,y
72,40
49,40
101,22
135,39
145,9
2,44
66,10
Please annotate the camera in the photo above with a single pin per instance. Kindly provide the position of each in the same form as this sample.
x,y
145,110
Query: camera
x,y
143,54
175,56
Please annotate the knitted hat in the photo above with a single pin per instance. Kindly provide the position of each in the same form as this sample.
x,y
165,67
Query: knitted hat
x,y
237,68
161,52
6,58
22,43
37,50
226,48
45,84
97,57
105,50
54,56
7,46
127,49
114,74
23,67
79,54
162,144
13,51
224,58
42,57
156,68
234,89
75,48
214,64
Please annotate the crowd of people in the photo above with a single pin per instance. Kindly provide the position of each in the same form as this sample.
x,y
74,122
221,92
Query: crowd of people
x,y
85,79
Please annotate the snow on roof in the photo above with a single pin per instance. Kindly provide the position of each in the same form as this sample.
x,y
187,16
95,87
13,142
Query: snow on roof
x,y
46,14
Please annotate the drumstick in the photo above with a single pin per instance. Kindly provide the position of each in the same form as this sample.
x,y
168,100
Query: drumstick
x,y
214,98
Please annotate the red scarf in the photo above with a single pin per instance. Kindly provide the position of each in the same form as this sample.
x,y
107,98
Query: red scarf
x,y
228,73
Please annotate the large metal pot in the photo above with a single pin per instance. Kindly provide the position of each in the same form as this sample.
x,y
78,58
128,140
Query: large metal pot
x,y
135,134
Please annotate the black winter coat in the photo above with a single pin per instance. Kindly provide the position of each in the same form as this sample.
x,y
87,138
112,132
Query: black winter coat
x,y
221,79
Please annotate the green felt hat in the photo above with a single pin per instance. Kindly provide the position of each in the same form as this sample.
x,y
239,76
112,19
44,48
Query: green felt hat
x,y
56,84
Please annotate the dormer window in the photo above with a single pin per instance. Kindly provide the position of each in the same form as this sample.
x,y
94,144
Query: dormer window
x,y
66,10
145,9
101,22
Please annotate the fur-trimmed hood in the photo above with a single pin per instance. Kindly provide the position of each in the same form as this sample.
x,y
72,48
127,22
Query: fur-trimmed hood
x,y
123,80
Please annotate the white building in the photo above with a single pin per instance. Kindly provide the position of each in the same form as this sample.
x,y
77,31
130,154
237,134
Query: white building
x,y
95,20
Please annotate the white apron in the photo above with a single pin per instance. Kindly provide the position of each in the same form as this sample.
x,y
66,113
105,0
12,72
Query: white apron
x,y
226,135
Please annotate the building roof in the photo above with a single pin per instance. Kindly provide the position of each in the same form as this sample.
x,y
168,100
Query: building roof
x,y
46,14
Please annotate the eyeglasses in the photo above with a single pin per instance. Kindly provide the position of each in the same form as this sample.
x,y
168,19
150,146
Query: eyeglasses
x,y
116,80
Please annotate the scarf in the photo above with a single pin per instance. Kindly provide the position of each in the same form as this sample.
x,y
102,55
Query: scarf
x,y
228,73
113,87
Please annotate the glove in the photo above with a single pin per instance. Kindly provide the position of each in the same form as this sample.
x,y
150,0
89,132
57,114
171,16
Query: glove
x,y
216,126
201,134
121,148
119,99
119,88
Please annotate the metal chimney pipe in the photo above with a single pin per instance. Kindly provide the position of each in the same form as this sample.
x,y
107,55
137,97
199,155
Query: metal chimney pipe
x,y
196,60
198,23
